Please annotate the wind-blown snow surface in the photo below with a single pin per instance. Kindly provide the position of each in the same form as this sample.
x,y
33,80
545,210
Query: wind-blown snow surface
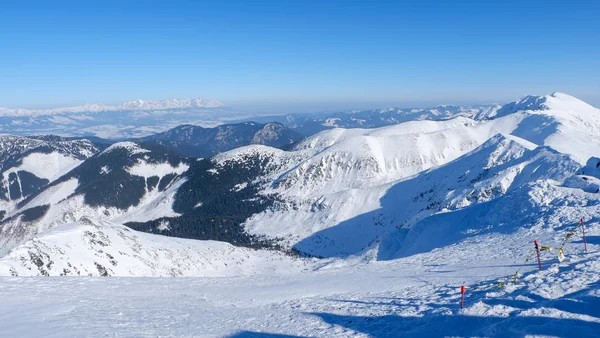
x,y
108,249
415,296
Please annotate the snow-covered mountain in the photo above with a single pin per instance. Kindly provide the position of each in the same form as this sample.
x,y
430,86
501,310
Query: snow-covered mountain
x,y
376,193
29,164
140,118
127,106
149,188
123,178
131,119
341,191
197,141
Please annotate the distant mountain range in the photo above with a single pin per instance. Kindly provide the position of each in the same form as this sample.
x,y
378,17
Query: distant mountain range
x,y
310,124
139,118
127,106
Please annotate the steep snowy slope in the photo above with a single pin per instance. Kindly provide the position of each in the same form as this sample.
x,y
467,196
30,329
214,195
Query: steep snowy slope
x,y
418,296
123,179
588,178
347,222
97,248
430,205
353,186
362,158
560,121
151,189
29,164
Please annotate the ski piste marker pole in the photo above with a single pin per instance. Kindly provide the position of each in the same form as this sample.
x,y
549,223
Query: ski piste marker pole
x,y
462,298
583,231
537,251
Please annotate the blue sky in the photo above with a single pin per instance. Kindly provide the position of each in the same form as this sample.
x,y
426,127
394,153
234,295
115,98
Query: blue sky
x,y
297,56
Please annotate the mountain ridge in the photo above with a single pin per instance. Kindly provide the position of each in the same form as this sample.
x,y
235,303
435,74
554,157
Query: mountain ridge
x,y
334,194
196,141
135,105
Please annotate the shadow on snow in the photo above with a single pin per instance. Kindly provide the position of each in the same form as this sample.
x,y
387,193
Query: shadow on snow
x,y
420,197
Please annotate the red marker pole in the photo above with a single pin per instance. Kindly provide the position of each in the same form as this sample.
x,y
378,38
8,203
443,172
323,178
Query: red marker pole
x,y
583,231
537,251
462,298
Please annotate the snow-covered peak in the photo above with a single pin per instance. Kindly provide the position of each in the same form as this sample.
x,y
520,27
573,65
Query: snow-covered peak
x,y
127,106
239,154
567,103
131,147
529,102
547,104
169,104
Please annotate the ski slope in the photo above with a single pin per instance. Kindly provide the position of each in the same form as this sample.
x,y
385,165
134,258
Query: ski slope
x,y
411,297
98,248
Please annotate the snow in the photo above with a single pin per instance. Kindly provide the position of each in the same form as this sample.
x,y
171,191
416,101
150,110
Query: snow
x,y
94,247
345,173
334,186
131,147
49,166
411,296
55,194
154,205
240,186
127,106
562,122
401,217
163,226
105,170
331,122
146,169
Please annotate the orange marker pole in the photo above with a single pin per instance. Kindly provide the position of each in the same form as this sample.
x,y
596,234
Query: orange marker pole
x,y
583,231
537,251
462,298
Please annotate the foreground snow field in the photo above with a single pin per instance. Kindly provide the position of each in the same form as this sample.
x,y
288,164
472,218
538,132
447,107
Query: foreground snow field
x,y
413,296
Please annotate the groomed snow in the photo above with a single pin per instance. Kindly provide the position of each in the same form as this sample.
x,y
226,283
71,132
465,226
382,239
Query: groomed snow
x,y
409,297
